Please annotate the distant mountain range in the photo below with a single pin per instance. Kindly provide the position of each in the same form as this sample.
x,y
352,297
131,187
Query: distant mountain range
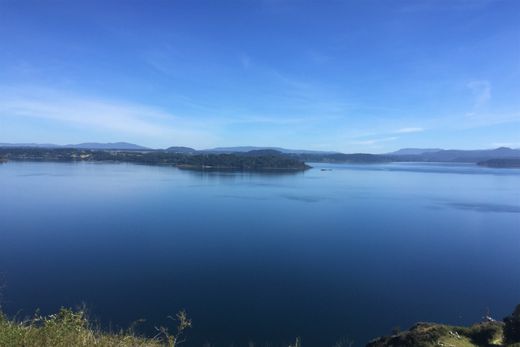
x,y
180,149
114,145
241,149
86,145
405,154
414,151
35,145
173,149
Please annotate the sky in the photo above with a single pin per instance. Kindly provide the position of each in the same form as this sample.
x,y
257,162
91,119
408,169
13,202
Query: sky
x,y
351,76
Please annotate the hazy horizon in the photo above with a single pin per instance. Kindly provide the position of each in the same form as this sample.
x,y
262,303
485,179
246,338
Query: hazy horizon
x,y
331,76
28,144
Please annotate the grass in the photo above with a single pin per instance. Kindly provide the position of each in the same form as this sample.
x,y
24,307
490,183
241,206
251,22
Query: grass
x,y
484,334
70,328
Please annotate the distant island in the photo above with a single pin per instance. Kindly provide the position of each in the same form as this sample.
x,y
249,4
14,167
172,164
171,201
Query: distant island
x,y
501,163
245,161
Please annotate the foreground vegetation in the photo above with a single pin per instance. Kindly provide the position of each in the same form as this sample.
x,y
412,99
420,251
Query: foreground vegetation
x,y
484,334
70,328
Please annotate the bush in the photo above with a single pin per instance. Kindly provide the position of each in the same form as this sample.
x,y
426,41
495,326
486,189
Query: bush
x,y
512,327
70,328
483,334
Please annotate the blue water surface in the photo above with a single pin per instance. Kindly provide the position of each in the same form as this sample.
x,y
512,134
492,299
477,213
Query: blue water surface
x,y
336,252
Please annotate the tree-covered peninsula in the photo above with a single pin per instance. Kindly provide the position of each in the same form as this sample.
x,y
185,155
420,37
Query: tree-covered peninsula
x,y
249,161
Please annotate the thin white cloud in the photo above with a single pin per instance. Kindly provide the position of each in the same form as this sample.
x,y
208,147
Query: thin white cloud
x,y
273,120
409,130
374,141
373,138
475,120
99,114
481,91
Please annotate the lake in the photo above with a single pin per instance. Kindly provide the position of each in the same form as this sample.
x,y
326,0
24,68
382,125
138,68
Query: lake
x,y
346,253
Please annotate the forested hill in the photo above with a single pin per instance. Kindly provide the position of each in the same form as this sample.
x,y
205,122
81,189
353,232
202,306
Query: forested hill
x,y
461,156
245,161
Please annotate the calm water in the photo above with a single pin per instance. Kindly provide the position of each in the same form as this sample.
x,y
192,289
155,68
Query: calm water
x,y
325,255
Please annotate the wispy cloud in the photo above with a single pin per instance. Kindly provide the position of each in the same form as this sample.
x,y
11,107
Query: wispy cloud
x,y
475,120
372,138
409,130
374,141
95,113
481,91
252,119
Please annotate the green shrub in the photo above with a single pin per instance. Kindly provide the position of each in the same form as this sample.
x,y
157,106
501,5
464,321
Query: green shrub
x,y
512,327
484,334
70,328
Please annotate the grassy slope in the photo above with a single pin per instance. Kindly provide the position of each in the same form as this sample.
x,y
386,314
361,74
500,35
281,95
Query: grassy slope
x,y
71,329
431,334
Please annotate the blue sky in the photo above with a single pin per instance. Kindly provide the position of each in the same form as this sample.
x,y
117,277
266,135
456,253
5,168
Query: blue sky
x,y
354,76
